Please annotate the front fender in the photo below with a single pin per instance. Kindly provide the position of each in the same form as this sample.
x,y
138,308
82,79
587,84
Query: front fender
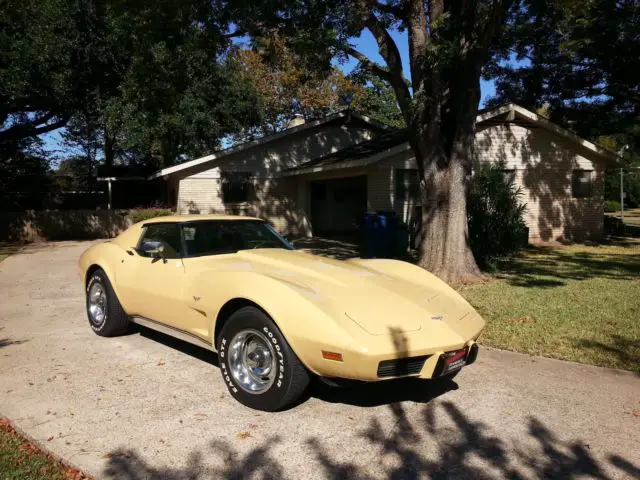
x,y
308,320
104,255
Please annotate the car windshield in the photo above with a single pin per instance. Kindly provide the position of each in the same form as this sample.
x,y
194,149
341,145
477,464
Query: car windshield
x,y
216,237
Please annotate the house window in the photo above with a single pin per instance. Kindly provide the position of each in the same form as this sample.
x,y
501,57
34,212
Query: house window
x,y
237,187
581,183
407,185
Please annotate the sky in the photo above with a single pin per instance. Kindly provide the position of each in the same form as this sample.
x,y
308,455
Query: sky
x,y
366,44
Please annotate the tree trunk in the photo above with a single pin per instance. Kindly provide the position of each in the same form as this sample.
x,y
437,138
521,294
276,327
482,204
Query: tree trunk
x,y
444,249
108,149
444,148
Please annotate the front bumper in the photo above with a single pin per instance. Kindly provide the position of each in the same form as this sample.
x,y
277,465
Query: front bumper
x,y
429,366
400,354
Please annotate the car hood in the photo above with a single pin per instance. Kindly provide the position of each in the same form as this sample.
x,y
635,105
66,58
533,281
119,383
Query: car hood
x,y
379,303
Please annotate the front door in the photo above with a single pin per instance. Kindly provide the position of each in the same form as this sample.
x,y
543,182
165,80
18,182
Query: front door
x,y
152,282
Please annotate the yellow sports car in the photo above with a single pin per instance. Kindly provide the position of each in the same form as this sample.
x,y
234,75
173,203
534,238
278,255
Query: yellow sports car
x,y
276,316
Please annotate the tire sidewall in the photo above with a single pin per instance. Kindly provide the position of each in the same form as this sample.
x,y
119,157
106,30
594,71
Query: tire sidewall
x,y
98,277
252,318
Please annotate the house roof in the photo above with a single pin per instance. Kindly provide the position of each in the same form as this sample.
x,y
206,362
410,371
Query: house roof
x,y
364,153
391,143
342,116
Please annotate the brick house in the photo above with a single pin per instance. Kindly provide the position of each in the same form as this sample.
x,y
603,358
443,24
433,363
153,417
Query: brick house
x,y
320,177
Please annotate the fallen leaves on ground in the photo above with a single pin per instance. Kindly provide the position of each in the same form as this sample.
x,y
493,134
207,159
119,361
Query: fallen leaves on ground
x,y
30,451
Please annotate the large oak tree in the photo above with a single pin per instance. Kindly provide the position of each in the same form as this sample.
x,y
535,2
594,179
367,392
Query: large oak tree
x,y
449,42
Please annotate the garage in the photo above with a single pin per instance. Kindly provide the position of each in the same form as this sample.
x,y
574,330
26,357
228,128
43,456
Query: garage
x,y
338,205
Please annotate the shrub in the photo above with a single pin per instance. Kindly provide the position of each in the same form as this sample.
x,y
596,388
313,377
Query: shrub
x,y
611,206
495,216
613,225
141,214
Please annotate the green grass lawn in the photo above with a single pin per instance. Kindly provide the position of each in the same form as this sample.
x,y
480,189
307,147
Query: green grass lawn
x,y
22,460
631,216
579,303
7,249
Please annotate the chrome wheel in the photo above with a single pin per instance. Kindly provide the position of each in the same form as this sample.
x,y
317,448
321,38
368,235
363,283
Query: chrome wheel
x,y
97,304
252,361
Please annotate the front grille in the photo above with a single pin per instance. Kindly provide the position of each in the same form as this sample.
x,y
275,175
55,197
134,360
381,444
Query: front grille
x,y
401,366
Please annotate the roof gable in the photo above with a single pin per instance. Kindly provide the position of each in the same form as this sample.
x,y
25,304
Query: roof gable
x,y
340,118
390,143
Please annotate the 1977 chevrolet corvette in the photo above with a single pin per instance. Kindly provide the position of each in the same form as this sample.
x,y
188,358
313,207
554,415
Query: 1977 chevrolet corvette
x,y
276,316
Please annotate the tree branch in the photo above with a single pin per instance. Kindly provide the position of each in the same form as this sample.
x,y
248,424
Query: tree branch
x,y
32,127
418,41
391,55
367,64
237,33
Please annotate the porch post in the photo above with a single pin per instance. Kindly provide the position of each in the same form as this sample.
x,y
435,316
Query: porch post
x,y
109,190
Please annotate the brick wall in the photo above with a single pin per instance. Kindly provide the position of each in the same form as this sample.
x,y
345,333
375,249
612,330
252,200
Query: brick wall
x,y
542,163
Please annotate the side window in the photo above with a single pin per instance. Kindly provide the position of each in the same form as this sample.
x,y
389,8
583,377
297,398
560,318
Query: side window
x,y
160,239
581,183
407,185
237,187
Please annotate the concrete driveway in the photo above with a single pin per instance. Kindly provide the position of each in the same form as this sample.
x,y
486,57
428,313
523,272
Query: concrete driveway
x,y
144,406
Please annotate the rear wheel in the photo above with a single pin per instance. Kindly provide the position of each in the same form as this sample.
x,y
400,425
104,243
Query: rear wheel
x,y
258,366
106,316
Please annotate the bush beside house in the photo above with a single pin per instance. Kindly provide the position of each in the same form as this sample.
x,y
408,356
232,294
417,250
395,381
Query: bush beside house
x,y
495,214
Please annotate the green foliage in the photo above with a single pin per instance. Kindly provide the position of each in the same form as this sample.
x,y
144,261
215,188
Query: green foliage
x,y
25,177
579,60
178,96
377,100
611,206
495,216
631,187
51,61
141,81
141,214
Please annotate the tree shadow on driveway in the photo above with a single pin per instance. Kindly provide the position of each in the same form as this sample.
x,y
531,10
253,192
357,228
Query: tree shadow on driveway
x,y
440,443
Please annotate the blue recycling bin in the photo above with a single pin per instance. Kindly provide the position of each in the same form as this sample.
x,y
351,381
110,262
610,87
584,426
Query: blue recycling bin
x,y
374,227
380,235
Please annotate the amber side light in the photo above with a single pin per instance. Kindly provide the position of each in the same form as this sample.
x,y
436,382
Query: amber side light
x,y
332,356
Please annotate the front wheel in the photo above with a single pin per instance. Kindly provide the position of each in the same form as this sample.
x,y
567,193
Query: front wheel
x,y
258,366
106,316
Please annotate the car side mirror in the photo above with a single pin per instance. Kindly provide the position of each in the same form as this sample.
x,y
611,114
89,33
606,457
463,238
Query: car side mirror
x,y
155,250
